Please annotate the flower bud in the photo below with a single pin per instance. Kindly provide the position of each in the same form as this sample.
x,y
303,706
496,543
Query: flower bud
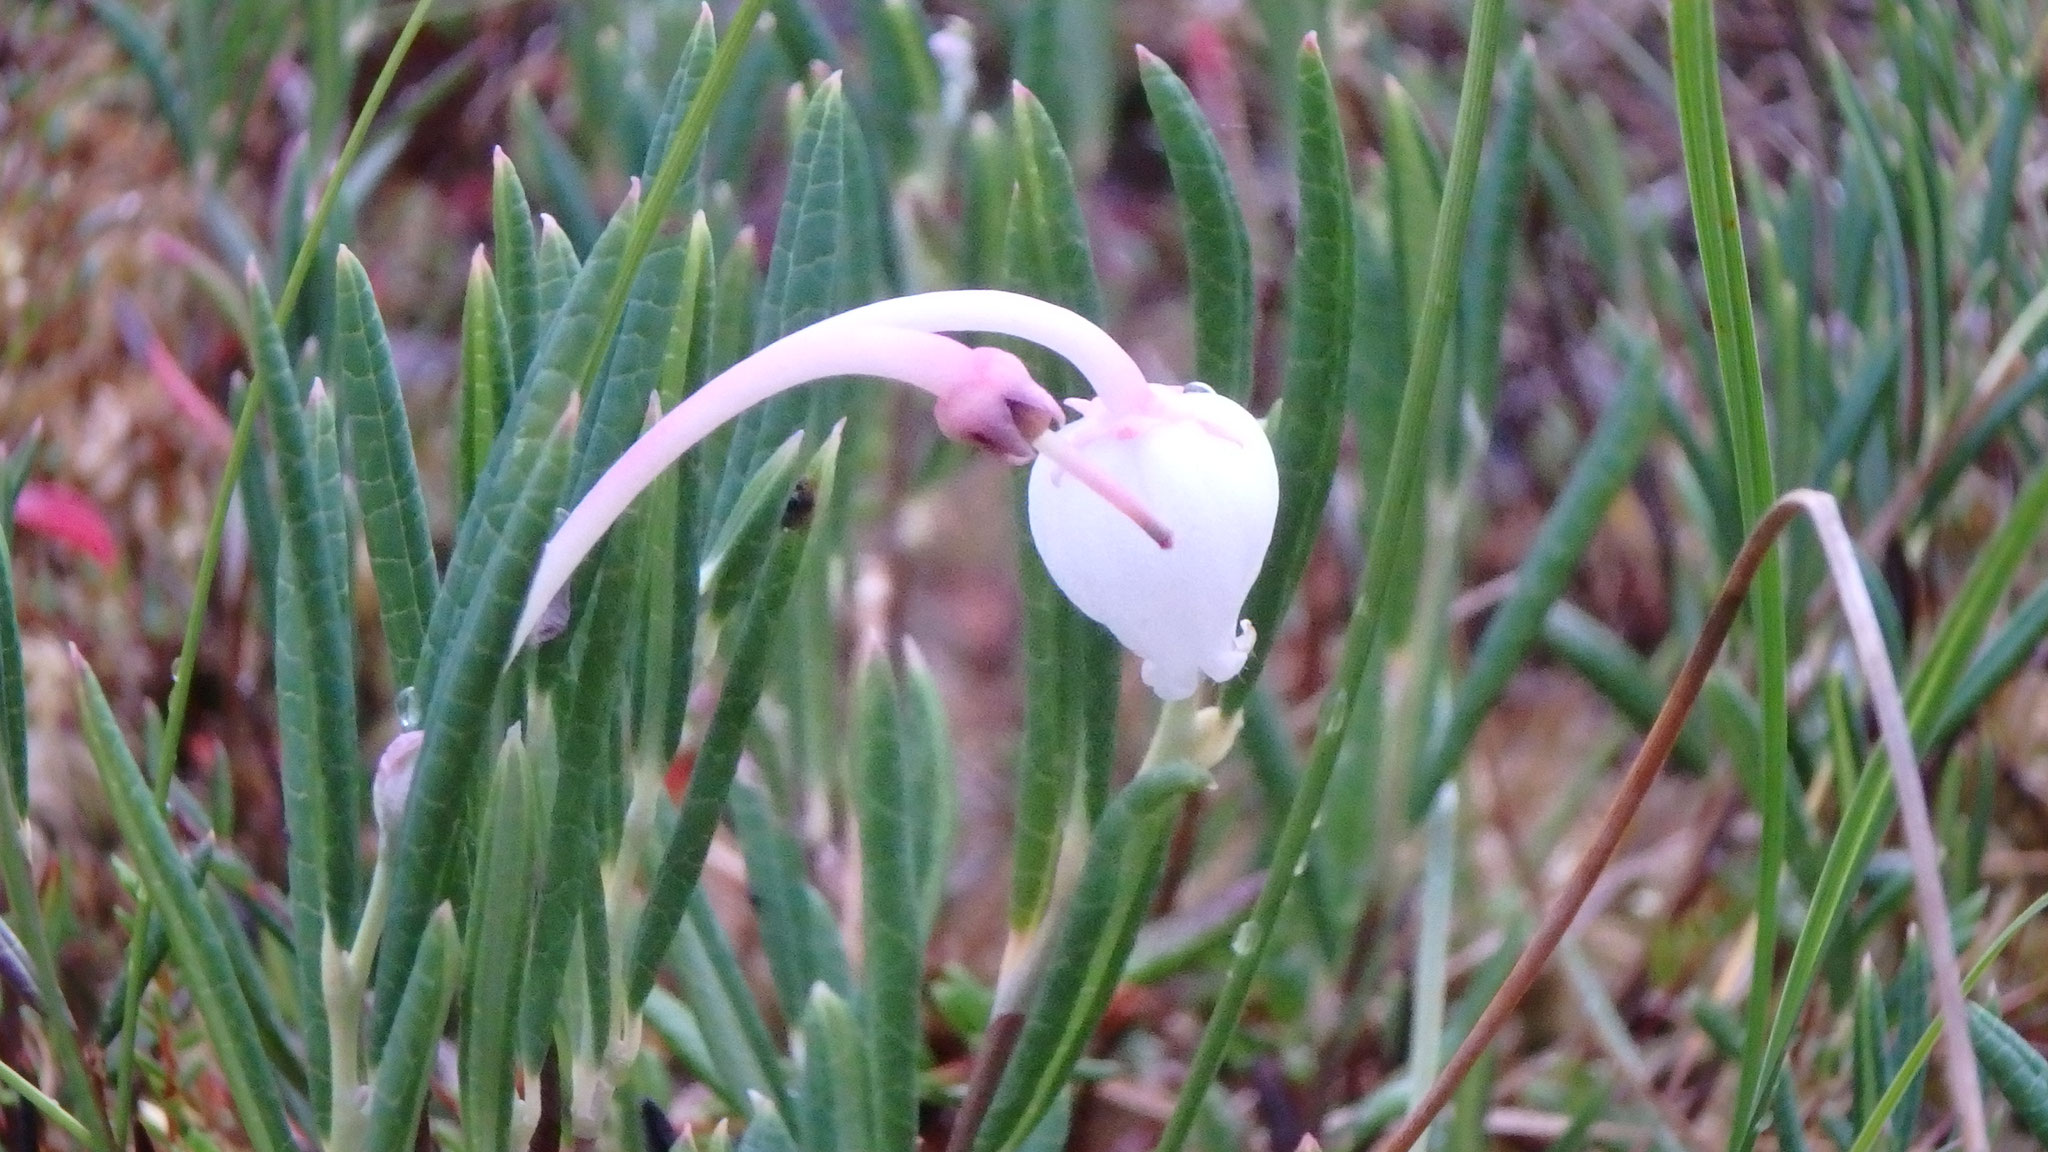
x,y
393,782
1201,466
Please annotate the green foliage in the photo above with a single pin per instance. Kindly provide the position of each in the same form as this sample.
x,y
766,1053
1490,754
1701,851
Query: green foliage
x,y
1865,316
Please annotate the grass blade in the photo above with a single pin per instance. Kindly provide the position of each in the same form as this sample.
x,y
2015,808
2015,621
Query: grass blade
x,y
1710,183
1604,467
1404,479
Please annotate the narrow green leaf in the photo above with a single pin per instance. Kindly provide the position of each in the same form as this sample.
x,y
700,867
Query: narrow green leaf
x,y
1062,54
805,35
1906,1003
1085,958
1710,183
13,681
833,1111
1867,809
985,200
145,46
902,79
674,542
733,559
16,875
811,275
2015,114
556,264
581,825
517,263
766,1131
1856,416
387,479
735,303
753,645
616,409
1220,282
2009,650
561,176
892,944
1624,679
1405,471
16,461
2017,1067
209,973
1603,468
676,1027
488,378
274,1039
406,1069
1497,204
498,932
571,337
458,712
1414,190
777,890
717,989
320,575
683,86
932,803
1310,423
1073,666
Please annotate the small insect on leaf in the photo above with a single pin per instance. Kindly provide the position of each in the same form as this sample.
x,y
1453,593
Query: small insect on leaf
x,y
803,502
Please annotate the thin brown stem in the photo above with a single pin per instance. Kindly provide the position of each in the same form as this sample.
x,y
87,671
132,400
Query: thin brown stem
x,y
1651,757
997,1043
1656,750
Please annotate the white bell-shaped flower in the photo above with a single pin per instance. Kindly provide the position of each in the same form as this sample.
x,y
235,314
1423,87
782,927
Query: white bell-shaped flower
x,y
1200,467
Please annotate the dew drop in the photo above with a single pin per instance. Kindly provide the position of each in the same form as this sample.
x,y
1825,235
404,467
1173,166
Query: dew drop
x,y
408,708
1242,940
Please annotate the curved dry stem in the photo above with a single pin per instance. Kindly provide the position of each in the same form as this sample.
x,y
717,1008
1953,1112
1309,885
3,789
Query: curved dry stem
x,y
1932,907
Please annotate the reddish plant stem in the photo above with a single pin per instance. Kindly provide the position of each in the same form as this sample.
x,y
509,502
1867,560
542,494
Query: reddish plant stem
x,y
1635,785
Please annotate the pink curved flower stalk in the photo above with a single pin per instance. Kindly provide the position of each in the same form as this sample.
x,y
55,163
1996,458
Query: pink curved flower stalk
x,y
1116,378
985,396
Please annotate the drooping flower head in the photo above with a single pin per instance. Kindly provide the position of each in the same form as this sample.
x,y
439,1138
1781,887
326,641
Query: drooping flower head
x,y
1152,511
1203,466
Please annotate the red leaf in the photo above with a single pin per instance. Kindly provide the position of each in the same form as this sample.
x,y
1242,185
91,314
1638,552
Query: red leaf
x,y
68,517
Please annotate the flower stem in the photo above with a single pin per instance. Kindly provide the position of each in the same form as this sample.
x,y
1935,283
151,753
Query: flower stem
x,y
1104,363
828,348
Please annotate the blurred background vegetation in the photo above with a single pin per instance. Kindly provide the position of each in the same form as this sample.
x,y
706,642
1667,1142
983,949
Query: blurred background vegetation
x,y
1895,208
